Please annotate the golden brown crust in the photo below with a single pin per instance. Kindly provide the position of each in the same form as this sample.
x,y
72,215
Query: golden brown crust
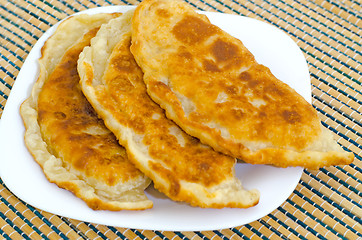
x,y
212,87
65,135
179,165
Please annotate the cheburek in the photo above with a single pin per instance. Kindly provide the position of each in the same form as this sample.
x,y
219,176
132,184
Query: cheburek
x,y
212,87
179,165
64,134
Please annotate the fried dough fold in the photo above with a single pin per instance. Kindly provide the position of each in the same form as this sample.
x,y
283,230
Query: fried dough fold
x,y
210,85
64,134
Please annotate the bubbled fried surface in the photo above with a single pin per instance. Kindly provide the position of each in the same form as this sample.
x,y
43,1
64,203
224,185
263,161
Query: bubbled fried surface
x,y
181,153
213,88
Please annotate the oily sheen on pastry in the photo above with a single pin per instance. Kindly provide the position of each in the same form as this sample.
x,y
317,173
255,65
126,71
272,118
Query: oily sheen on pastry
x,y
64,134
212,87
179,165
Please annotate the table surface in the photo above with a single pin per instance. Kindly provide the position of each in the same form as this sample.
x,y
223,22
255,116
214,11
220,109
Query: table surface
x,y
326,204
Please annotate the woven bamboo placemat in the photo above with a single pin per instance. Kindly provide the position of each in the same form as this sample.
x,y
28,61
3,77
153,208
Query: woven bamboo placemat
x,y
326,204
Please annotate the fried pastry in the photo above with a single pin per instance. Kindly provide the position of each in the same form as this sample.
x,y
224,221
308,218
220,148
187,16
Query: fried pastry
x,y
212,87
179,165
64,134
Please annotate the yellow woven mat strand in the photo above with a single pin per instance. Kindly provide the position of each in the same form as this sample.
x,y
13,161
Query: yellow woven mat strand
x,y
325,205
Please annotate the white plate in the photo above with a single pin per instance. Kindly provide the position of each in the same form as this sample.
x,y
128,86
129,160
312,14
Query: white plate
x,y
25,179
